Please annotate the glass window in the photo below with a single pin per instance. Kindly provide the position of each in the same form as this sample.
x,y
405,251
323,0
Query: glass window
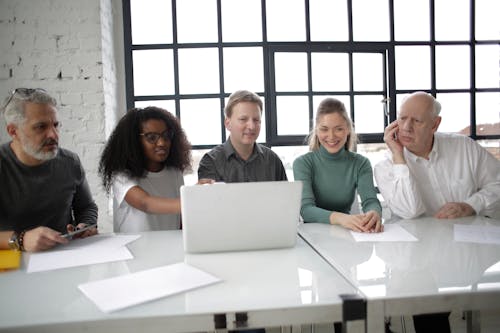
x,y
293,115
370,20
413,67
199,71
197,21
153,72
488,113
453,67
411,20
328,20
330,71
291,71
238,26
143,12
455,113
487,58
243,69
168,105
487,22
286,21
198,115
368,71
369,114
452,20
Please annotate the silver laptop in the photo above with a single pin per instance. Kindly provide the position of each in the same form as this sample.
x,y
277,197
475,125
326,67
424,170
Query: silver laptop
x,y
240,216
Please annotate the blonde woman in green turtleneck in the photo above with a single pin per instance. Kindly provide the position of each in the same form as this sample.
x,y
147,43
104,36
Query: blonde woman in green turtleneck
x,y
331,174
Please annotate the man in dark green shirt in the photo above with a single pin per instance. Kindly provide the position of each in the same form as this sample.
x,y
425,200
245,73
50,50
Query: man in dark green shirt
x,y
44,190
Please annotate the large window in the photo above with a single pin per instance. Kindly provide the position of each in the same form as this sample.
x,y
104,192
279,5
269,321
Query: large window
x,y
188,56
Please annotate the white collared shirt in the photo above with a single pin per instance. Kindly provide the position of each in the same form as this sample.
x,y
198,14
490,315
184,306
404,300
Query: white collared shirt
x,y
458,170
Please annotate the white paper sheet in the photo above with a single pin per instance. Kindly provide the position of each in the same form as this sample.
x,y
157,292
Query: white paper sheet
x,y
136,288
476,234
80,252
392,233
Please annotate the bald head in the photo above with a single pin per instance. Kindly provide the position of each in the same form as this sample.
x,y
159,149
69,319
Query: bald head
x,y
423,101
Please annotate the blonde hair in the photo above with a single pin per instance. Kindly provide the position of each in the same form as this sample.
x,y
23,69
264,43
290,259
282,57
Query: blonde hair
x,y
241,96
328,106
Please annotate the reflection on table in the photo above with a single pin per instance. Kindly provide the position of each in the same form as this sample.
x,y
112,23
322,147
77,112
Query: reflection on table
x,y
273,287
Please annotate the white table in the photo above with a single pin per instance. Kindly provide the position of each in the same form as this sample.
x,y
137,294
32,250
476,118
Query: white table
x,y
272,288
434,274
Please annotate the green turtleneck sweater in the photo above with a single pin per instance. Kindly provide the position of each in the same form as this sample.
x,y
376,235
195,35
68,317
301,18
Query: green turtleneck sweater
x,y
330,182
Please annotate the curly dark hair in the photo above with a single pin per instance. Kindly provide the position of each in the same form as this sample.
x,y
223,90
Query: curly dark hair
x,y
124,152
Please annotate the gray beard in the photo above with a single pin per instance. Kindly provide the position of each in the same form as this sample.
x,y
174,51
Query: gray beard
x,y
38,153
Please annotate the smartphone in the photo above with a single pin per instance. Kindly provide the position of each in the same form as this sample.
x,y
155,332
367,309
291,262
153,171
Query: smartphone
x,y
77,231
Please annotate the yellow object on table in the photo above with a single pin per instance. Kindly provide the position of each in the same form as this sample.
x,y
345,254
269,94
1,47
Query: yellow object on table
x,y
9,259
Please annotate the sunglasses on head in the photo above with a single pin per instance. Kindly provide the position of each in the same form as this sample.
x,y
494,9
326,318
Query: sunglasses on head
x,y
23,92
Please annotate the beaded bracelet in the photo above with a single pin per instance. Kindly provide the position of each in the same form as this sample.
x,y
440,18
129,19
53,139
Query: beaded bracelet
x,y
21,240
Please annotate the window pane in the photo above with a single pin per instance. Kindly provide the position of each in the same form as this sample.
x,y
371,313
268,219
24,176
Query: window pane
x,y
241,28
455,113
142,13
199,71
487,22
330,71
291,71
343,98
411,20
452,67
286,20
369,114
201,119
293,115
328,20
488,113
370,20
368,71
168,105
288,154
197,21
413,67
452,19
153,72
243,69
487,66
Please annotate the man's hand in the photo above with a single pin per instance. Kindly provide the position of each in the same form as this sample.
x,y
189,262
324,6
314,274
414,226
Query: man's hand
x,y
391,139
453,210
204,181
86,233
42,238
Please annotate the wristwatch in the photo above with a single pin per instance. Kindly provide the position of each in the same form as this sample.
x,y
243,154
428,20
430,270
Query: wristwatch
x,y
14,241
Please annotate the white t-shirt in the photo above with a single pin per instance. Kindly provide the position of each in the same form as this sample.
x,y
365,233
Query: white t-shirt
x,y
126,218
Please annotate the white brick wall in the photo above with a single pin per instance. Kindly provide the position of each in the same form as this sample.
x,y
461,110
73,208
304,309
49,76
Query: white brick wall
x,y
73,49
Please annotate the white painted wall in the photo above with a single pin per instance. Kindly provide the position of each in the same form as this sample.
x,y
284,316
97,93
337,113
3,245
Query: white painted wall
x,y
74,50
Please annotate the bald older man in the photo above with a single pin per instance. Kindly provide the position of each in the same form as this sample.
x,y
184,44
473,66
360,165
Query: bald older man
x,y
435,174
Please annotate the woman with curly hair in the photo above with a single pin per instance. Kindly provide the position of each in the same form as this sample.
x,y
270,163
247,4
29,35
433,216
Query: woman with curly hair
x,y
143,163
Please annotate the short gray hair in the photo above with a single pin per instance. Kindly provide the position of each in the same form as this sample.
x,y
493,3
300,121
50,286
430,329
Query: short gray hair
x,y
14,104
241,96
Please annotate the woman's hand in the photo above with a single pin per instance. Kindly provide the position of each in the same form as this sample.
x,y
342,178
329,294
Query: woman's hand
x,y
368,222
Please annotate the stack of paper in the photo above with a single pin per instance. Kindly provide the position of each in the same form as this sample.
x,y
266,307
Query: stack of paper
x,y
79,252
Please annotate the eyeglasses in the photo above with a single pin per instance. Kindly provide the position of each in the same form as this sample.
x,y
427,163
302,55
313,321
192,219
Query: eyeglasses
x,y
153,137
25,92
